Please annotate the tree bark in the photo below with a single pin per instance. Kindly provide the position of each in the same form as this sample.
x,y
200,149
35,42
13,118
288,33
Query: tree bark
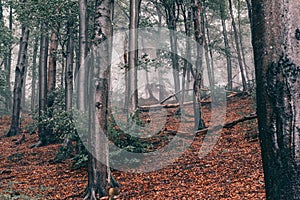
x,y
237,44
34,74
98,172
8,100
209,67
19,81
43,83
69,67
172,18
241,41
275,38
82,74
132,58
227,47
197,10
52,67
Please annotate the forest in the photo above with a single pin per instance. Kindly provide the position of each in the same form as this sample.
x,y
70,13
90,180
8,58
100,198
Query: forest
x,y
149,99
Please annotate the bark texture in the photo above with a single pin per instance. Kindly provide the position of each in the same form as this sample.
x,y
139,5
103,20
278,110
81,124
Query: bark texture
x,y
19,81
276,41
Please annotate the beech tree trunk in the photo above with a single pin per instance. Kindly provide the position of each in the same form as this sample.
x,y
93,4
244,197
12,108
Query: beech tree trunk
x,y
172,18
209,67
98,172
7,64
197,10
34,74
226,43
237,44
43,83
133,58
19,81
276,42
52,67
69,67
83,41
187,16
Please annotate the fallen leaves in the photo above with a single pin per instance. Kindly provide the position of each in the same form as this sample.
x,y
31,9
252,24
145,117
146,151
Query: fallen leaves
x,y
232,170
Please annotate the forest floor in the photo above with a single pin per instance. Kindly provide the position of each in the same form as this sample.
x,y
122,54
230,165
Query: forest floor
x,y
232,170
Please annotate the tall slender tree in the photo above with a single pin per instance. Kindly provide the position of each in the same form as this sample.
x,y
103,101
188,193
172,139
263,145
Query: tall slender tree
x,y
34,74
52,66
19,81
237,45
69,65
226,43
133,57
172,15
44,43
197,10
82,75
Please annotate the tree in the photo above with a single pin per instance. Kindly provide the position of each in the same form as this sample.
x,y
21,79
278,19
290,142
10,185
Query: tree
x,y
99,176
82,54
52,67
172,14
33,74
226,43
275,38
44,40
133,57
5,53
197,10
69,65
19,81
237,44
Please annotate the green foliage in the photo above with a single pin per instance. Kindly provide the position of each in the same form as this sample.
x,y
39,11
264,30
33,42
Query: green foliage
x,y
58,122
126,141
80,160
4,92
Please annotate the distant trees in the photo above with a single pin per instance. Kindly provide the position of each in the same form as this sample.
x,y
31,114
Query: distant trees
x,y
63,32
276,37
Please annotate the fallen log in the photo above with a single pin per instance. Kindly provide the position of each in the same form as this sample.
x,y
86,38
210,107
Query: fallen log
x,y
218,127
161,106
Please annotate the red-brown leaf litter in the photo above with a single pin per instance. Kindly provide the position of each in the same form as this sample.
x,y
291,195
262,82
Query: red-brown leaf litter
x,y
232,170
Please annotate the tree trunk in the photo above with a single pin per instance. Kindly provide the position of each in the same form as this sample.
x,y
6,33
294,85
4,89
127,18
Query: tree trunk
x,y
227,47
197,10
98,171
19,81
241,41
249,7
69,67
211,59
126,58
82,73
211,77
52,67
237,44
187,16
171,10
275,38
132,58
158,54
33,74
23,99
8,100
43,83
